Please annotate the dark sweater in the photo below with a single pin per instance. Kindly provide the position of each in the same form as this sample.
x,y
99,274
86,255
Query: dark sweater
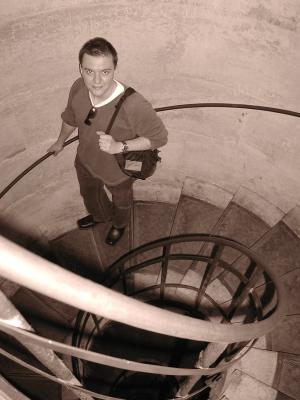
x,y
135,118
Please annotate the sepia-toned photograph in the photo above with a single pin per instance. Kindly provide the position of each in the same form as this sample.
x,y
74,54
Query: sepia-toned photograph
x,y
150,200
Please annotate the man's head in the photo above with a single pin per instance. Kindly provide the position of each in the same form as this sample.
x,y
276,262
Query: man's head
x,y
98,47
97,62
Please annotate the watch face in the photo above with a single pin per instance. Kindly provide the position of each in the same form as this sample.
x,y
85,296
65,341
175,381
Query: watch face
x,y
125,147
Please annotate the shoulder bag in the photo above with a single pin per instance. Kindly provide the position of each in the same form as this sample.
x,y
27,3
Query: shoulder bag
x,y
137,164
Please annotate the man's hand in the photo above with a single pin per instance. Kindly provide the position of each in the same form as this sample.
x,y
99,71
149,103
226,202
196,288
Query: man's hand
x,y
56,148
108,144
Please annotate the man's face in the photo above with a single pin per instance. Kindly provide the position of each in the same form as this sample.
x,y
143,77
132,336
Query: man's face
x,y
98,74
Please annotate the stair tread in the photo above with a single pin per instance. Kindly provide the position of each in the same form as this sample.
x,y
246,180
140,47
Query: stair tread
x,y
280,247
278,370
28,382
194,215
84,251
152,221
45,319
233,223
76,251
243,385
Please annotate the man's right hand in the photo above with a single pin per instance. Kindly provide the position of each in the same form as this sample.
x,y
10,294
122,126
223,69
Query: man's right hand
x,y
56,148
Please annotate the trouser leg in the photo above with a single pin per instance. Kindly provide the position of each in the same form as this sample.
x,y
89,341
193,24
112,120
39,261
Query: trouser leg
x,y
122,197
94,196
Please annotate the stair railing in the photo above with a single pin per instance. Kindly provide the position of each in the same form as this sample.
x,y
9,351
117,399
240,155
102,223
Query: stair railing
x,y
29,270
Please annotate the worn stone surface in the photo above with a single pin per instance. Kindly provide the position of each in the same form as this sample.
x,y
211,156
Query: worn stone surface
x,y
154,190
258,206
241,225
291,282
280,248
43,317
243,387
206,192
263,370
29,382
288,375
195,216
49,211
152,221
285,337
292,220
77,252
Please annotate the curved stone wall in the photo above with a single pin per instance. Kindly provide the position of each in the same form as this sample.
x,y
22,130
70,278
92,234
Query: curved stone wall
x,y
178,51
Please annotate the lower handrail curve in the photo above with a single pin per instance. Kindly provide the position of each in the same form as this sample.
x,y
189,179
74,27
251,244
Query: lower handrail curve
x,y
27,269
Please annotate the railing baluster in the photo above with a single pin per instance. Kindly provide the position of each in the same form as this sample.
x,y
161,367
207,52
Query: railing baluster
x,y
216,253
243,289
164,269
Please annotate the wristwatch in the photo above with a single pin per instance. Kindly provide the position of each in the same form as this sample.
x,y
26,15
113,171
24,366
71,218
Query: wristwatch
x,y
125,147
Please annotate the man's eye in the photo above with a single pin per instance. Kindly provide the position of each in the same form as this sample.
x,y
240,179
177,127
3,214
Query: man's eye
x,y
105,72
89,71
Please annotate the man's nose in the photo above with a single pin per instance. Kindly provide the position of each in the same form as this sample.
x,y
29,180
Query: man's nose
x,y
97,77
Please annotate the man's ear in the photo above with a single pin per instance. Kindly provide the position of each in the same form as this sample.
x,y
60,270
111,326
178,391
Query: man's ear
x,y
80,69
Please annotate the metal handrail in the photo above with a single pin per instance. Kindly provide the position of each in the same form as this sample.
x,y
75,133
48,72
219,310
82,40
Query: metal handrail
x,y
27,269
111,361
160,109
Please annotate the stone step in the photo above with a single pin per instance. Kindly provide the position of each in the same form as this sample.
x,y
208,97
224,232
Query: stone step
x,y
281,251
76,251
48,317
28,382
229,218
151,221
245,387
200,207
33,386
280,371
83,251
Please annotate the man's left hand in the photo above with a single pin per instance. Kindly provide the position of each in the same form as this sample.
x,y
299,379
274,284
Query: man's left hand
x,y
108,144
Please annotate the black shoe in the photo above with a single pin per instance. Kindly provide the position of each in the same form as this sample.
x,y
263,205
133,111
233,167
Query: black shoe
x,y
114,235
86,222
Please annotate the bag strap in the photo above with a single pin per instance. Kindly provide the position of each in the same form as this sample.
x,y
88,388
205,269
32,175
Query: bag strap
x,y
127,93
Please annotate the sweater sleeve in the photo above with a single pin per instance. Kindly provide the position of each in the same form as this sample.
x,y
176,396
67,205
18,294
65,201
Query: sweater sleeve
x,y
144,121
68,115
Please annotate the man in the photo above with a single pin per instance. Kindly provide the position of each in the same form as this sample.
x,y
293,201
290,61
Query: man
x,y
91,103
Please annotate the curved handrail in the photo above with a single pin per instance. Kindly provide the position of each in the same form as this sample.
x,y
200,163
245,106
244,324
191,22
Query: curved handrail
x,y
160,109
230,105
108,360
31,167
27,269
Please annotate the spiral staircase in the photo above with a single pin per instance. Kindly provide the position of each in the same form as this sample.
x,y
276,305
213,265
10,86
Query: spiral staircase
x,y
197,254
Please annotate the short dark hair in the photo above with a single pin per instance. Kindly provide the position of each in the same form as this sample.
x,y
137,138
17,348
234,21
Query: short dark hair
x,y
98,46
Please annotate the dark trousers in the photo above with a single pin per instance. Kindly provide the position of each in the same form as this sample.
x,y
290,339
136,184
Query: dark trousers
x,y
98,204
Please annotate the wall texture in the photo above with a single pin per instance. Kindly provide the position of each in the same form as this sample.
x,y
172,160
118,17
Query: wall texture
x,y
173,51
